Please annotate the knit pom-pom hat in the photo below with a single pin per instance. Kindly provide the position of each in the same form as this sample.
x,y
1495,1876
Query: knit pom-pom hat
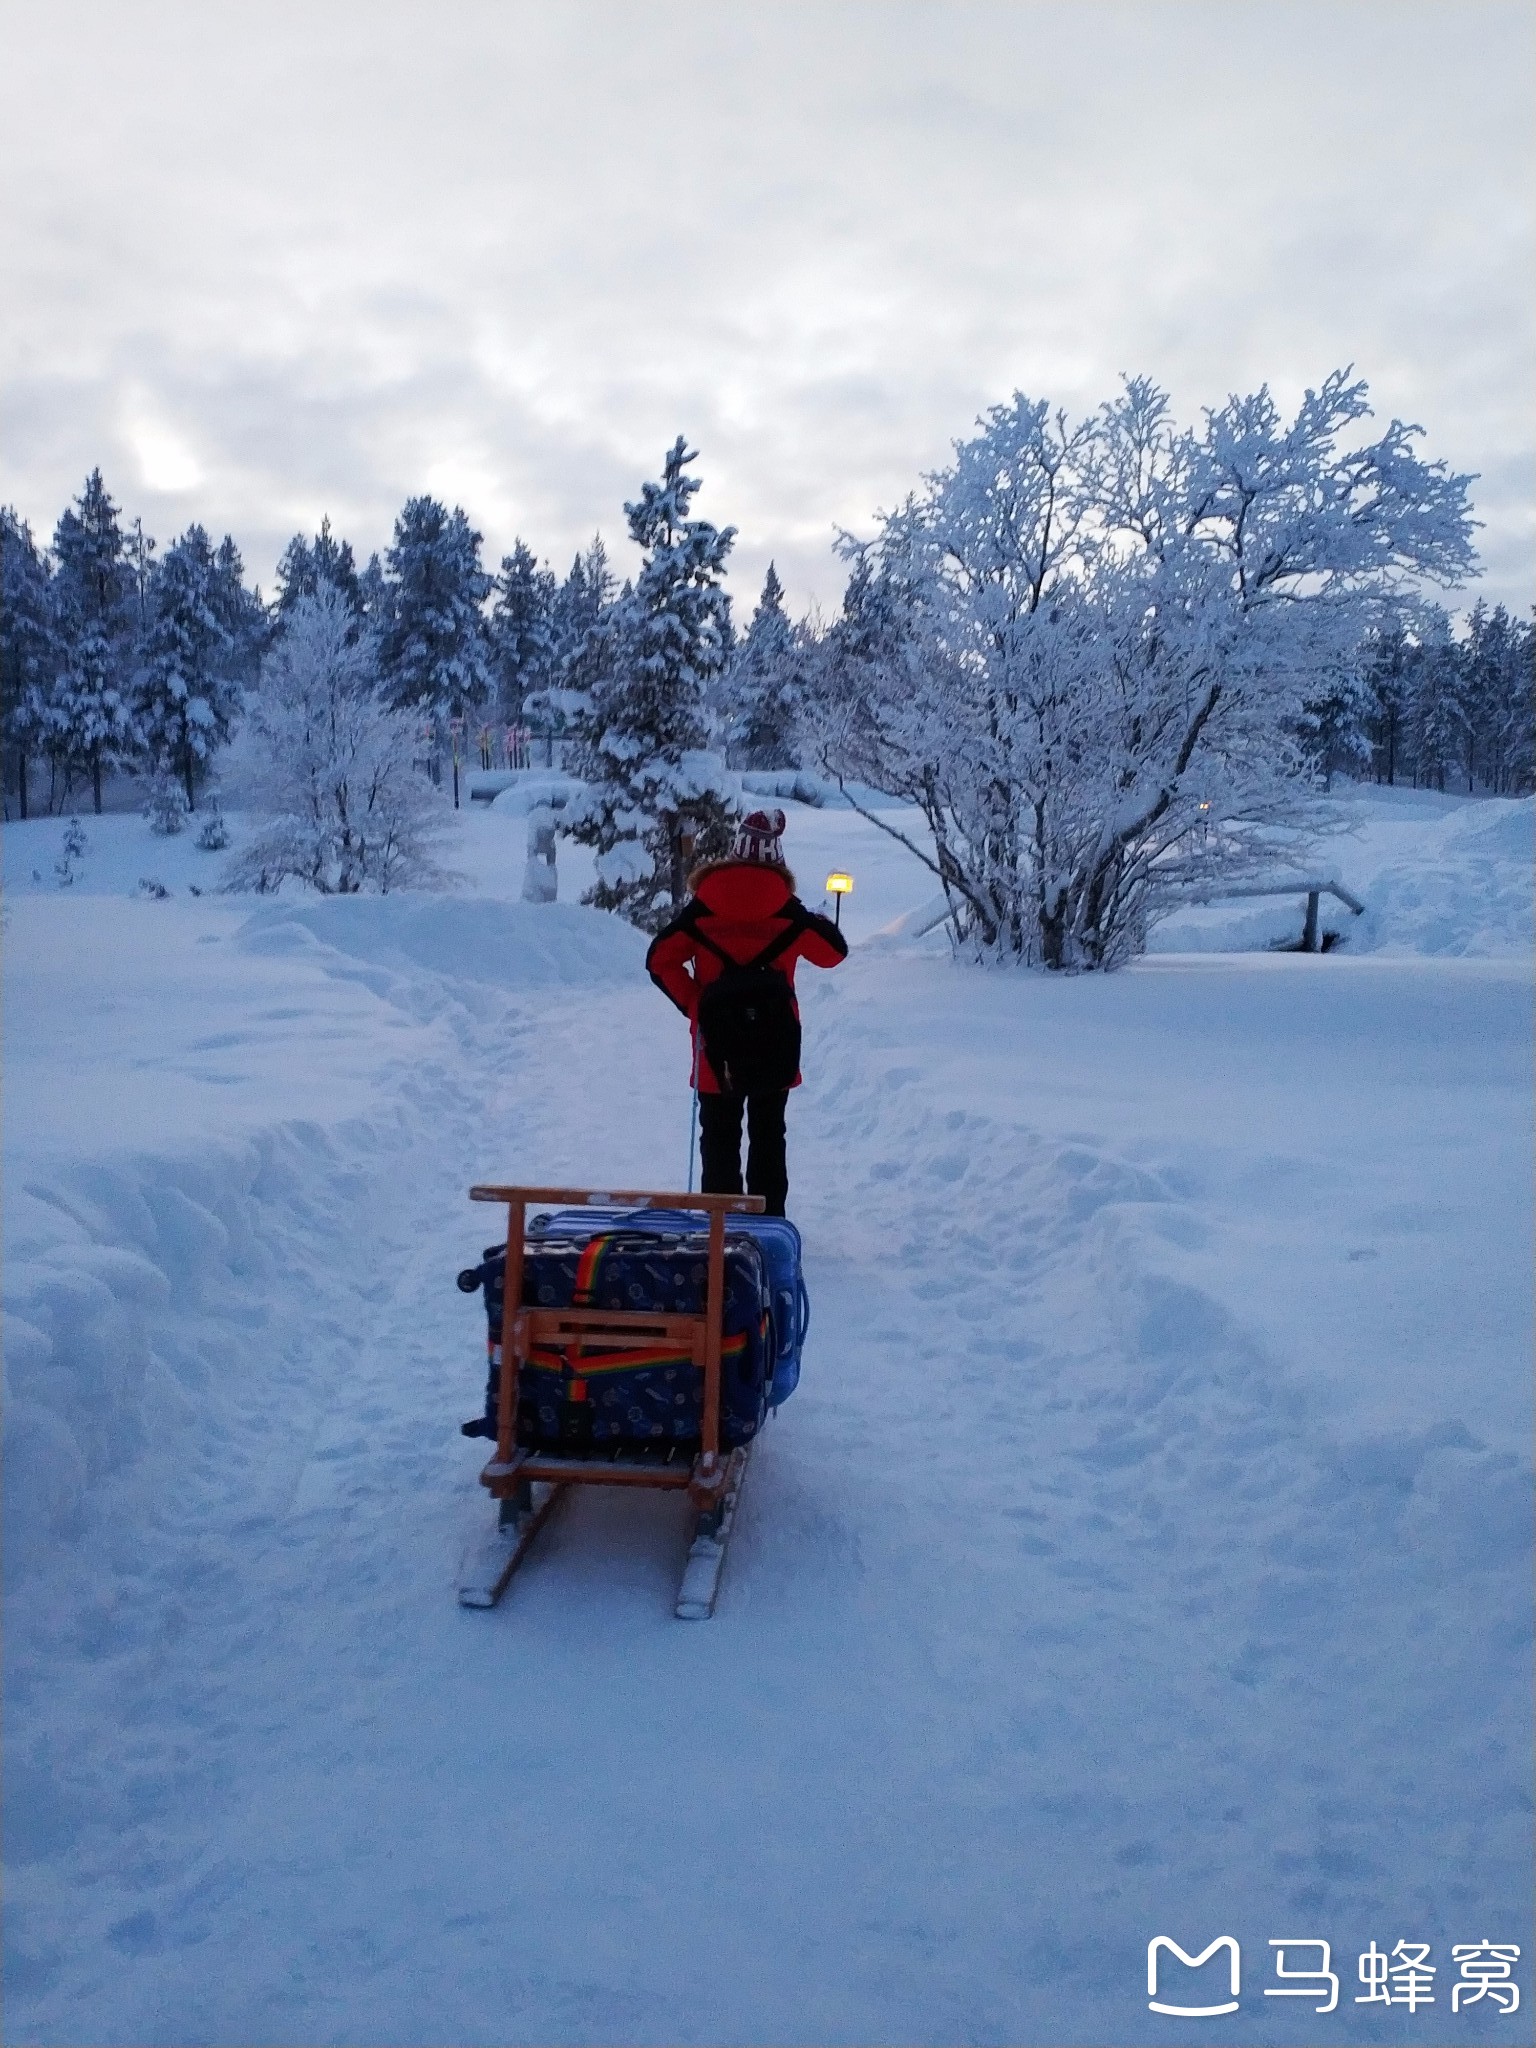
x,y
757,838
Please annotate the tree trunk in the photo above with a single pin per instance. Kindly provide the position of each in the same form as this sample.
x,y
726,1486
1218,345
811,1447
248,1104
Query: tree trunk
x,y
187,780
96,784
21,777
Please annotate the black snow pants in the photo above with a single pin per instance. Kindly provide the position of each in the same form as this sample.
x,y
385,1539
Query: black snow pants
x,y
720,1146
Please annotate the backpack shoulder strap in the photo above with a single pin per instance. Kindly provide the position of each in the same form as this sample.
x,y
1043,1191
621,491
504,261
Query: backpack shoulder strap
x,y
689,921
702,938
782,943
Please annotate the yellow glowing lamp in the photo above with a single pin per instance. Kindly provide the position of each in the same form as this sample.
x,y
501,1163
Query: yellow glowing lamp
x,y
839,885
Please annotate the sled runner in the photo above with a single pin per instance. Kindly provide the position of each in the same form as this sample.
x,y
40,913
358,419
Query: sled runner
x,y
668,1394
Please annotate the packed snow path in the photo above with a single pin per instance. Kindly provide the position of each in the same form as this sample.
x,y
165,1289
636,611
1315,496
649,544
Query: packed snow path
x,y
1145,1550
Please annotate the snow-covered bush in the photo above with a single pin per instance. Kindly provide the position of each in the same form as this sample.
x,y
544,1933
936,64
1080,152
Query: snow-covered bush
x,y
166,804
71,850
1088,652
331,771
214,836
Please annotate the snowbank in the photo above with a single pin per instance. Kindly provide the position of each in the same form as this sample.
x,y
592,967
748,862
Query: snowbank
x,y
259,1064
1439,875
510,945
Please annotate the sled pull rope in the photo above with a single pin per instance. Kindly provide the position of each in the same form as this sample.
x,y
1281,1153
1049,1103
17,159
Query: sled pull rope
x,y
511,1308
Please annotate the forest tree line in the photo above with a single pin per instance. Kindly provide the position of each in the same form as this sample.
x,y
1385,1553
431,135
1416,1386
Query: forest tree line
x,y
1107,660
116,655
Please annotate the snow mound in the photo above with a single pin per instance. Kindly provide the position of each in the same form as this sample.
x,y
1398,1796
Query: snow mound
x,y
513,946
1466,890
533,787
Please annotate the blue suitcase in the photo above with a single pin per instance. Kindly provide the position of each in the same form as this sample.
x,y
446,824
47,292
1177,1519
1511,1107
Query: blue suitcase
x,y
613,1400
776,1237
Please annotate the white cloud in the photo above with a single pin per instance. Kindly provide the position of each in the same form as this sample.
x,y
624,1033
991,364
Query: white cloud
x,y
322,257
166,462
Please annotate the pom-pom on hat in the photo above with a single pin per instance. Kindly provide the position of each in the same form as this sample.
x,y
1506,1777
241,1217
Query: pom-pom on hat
x,y
757,838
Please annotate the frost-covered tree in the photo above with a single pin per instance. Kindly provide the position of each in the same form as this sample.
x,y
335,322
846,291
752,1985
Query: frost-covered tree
x,y
91,722
761,685
434,649
331,769
1091,647
656,797
186,698
522,629
29,653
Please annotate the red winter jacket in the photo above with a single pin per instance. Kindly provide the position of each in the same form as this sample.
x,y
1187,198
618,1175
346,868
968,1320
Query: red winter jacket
x,y
746,905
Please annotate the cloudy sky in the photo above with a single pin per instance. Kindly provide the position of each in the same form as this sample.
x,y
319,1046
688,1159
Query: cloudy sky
x,y
264,263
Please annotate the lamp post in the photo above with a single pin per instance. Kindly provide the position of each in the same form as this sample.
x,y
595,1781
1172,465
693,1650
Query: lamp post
x,y
455,733
839,885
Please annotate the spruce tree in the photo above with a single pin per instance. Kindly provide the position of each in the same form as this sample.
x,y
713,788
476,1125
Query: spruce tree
x,y
375,599
306,566
187,698
762,685
656,799
522,629
240,612
29,650
434,650
90,719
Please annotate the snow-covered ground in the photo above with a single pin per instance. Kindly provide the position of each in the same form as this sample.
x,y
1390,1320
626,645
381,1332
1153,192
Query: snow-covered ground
x,y
1146,1550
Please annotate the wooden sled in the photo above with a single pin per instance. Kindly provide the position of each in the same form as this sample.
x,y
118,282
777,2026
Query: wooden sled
x,y
530,1485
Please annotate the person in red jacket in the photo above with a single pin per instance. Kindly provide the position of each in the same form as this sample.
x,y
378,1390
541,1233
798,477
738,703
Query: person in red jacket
x,y
742,922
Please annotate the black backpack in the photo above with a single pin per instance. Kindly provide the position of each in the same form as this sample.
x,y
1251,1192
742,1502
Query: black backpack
x,y
747,1020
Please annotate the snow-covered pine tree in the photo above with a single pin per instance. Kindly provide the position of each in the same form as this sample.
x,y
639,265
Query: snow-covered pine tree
x,y
307,564
91,722
582,598
434,651
1386,665
1335,722
186,700
1436,720
240,612
583,651
656,798
761,684
522,629
1497,699
375,596
331,768
141,566
29,651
